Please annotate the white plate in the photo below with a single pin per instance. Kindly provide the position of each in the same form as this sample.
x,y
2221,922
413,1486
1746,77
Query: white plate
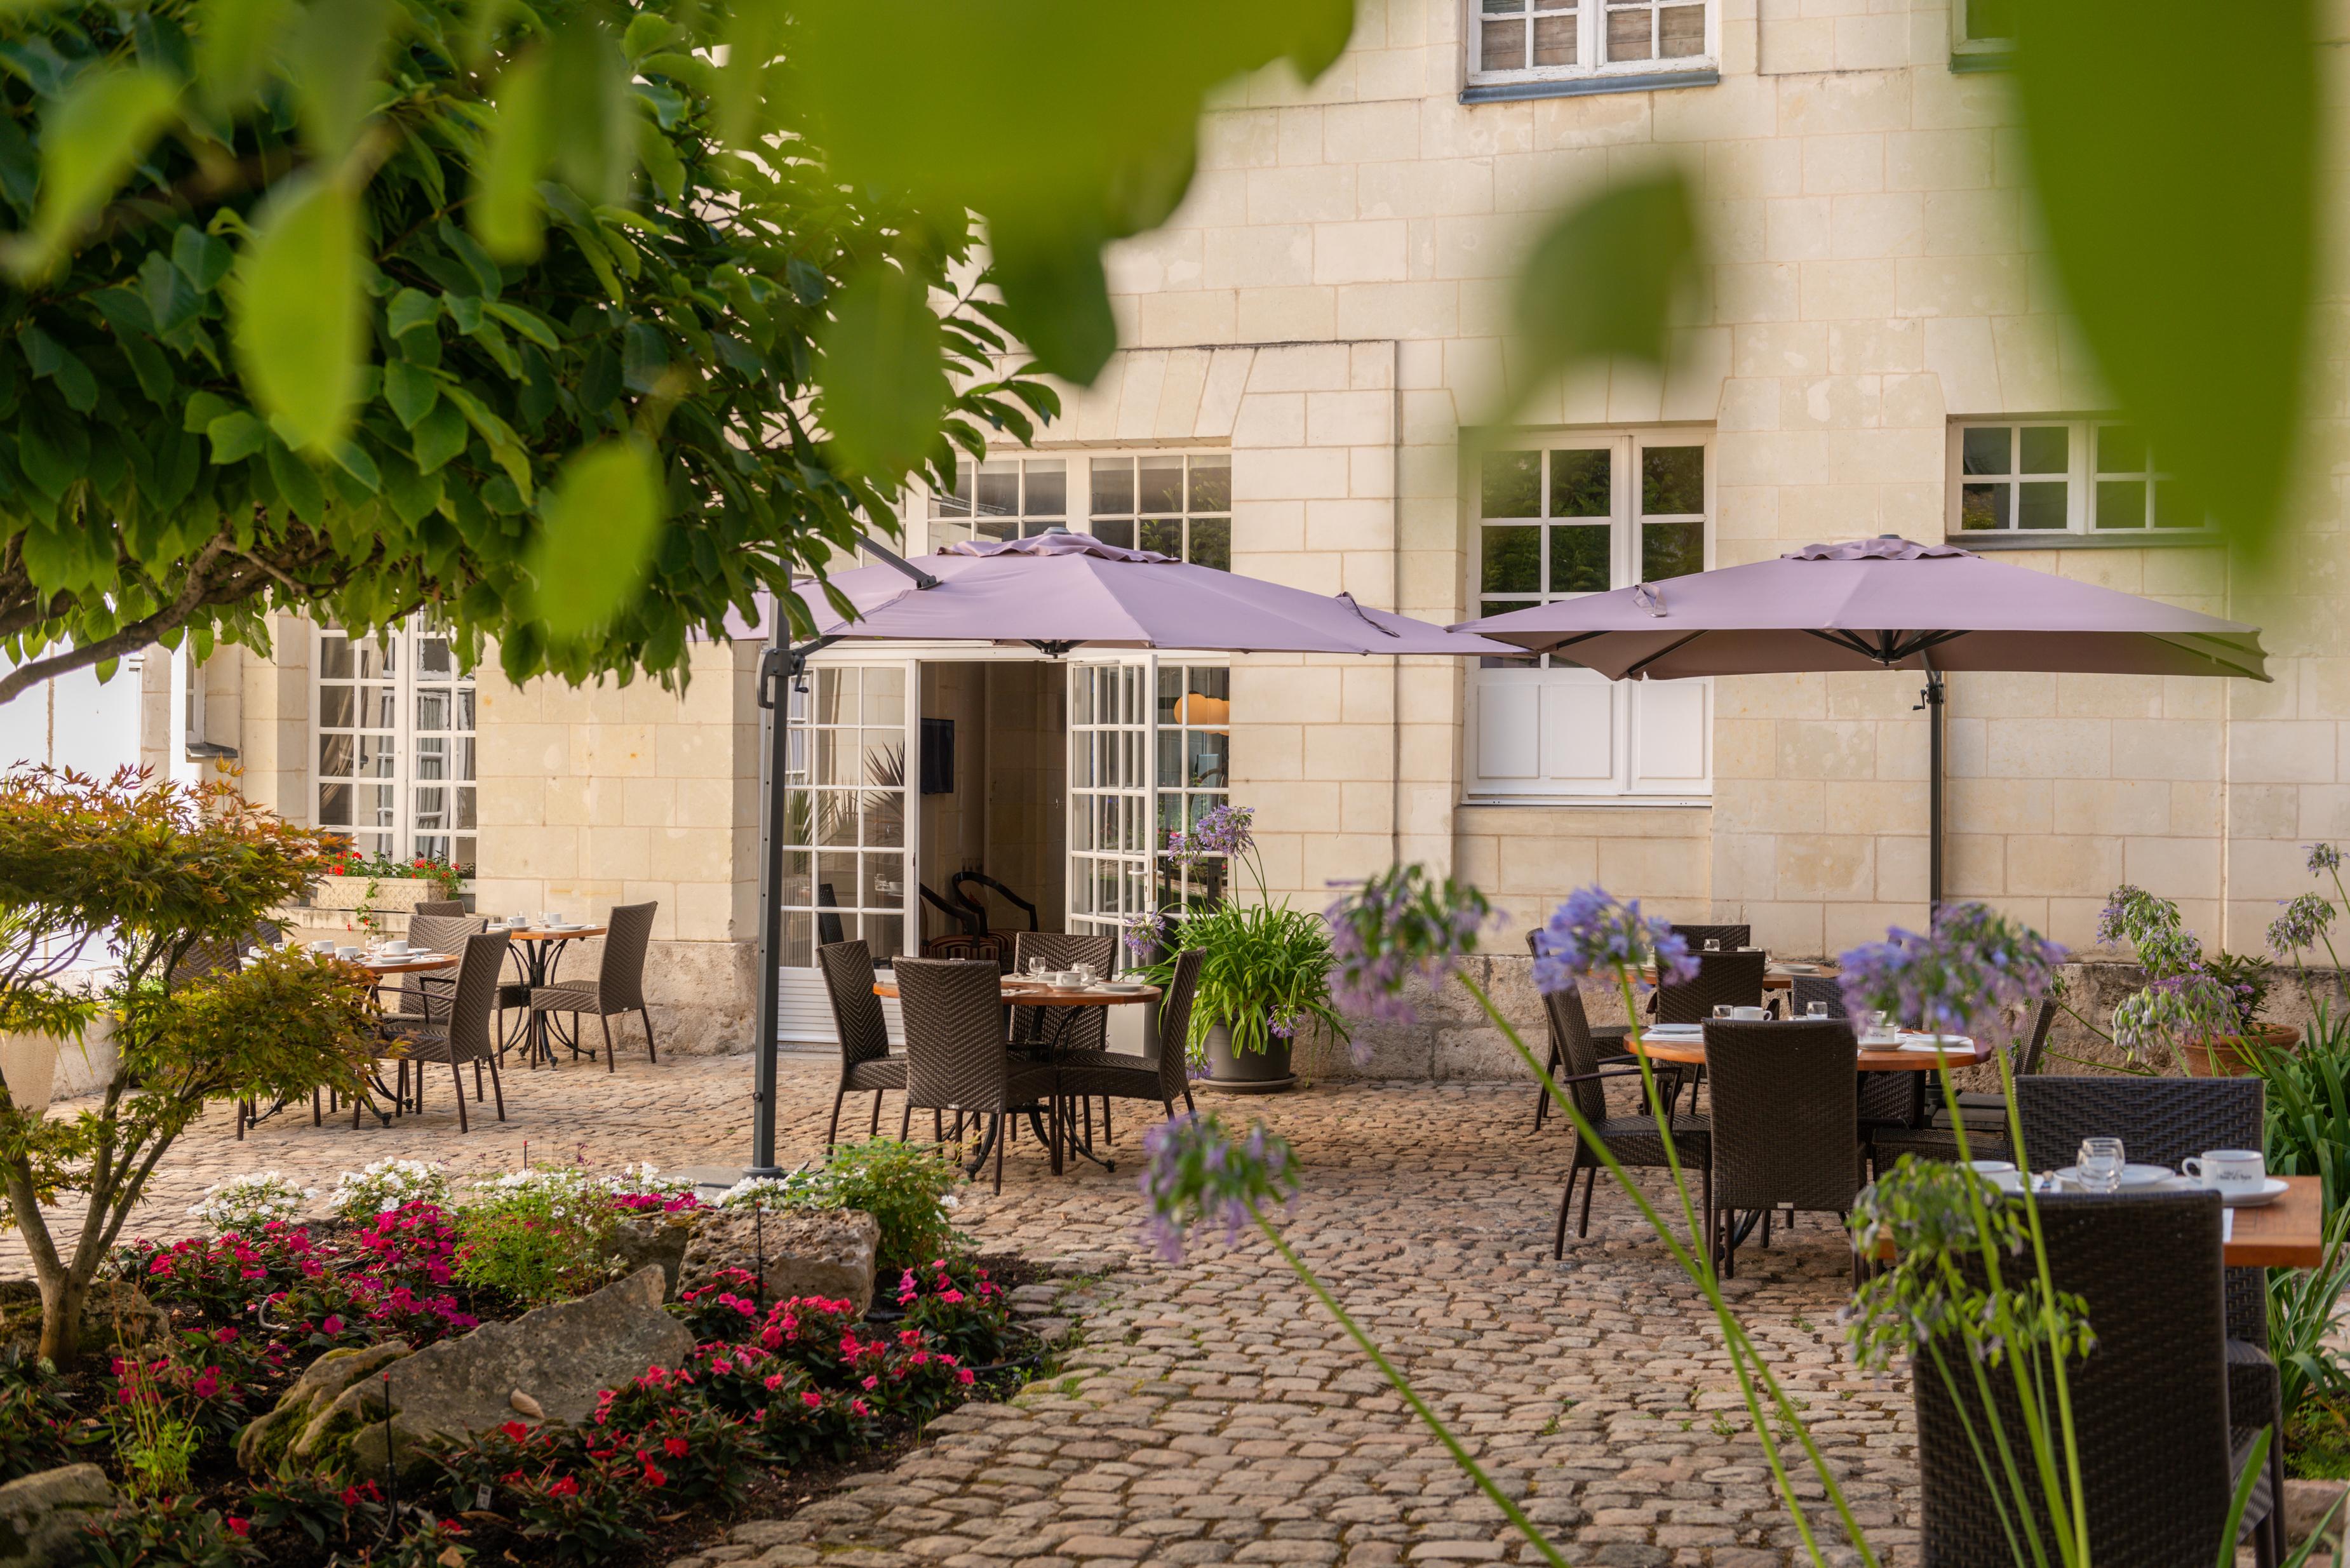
x,y
2133,1174
1796,968
1120,988
1674,1030
1957,1044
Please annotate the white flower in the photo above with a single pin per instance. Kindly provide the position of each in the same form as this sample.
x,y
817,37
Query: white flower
x,y
246,1203
798,1191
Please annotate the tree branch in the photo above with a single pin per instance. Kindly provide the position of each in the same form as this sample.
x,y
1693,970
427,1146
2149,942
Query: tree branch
x,y
131,638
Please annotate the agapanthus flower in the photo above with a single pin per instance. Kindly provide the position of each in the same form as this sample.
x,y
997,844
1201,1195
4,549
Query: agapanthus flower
x,y
1223,832
2188,1006
1399,926
1282,1022
2302,924
1961,979
1196,1175
1593,933
2324,857
1144,933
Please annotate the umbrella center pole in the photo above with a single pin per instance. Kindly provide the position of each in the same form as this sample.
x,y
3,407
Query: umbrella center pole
x,y
1933,701
781,665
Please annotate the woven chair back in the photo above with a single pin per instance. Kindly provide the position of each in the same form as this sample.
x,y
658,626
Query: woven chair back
x,y
476,998
953,1009
442,907
992,947
441,933
1729,979
1085,1029
1727,936
2044,1019
620,977
205,957
856,1011
1785,1114
1805,989
2150,1402
1175,1022
1570,1032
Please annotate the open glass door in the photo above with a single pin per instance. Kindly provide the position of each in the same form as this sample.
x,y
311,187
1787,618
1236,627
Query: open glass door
x,y
847,872
1149,740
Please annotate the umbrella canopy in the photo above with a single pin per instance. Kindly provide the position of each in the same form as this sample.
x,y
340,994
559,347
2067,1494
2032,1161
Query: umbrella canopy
x,y
1061,590
1873,604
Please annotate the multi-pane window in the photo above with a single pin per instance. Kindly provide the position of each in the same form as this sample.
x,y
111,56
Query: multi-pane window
x,y
395,738
1149,752
1559,518
1176,504
1179,505
1535,40
843,836
2061,477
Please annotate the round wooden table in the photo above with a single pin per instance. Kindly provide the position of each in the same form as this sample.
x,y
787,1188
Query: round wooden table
x,y
536,950
1690,1053
412,963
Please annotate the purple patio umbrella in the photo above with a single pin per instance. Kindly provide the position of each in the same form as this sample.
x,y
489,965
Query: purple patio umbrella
x,y
1059,590
1886,603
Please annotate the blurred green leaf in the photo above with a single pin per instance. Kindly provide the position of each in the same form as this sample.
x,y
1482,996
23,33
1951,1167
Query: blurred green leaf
x,y
2176,164
300,333
90,139
591,124
1103,147
333,51
884,386
597,533
1601,280
507,215
235,42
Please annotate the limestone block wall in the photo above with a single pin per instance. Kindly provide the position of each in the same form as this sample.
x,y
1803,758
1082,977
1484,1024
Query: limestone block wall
x,y
608,795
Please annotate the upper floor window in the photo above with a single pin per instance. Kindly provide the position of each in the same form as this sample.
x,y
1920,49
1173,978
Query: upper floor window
x,y
395,738
1578,514
2061,477
1547,40
1178,503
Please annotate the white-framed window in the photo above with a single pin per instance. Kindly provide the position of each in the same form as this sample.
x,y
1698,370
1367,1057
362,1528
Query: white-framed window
x,y
1178,503
1549,40
395,744
1563,515
843,839
2061,477
1149,752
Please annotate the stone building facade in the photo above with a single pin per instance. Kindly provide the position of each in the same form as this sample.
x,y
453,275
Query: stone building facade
x,y
1316,385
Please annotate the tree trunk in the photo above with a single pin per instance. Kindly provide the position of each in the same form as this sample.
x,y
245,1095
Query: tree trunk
x,y
62,1299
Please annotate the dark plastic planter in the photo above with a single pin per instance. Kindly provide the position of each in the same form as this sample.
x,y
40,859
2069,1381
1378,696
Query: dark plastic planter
x,y
1247,1071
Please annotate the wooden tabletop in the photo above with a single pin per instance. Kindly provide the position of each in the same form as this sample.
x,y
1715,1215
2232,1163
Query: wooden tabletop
x,y
1690,1051
2289,1234
548,935
415,964
1027,993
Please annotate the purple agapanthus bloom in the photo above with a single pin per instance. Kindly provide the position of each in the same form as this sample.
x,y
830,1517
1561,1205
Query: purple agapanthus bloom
x,y
1282,1022
1402,925
2324,857
1593,933
1144,933
1223,832
1961,979
1195,1175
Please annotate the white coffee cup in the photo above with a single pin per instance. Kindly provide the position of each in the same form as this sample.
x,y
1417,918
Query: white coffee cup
x,y
2227,1169
396,947
518,920
1748,1014
552,917
1065,977
352,954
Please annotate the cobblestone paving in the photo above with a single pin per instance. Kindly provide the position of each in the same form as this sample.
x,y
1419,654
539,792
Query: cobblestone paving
x,y
1213,1412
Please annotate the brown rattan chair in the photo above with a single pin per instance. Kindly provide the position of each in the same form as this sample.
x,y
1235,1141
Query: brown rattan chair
x,y
1074,1028
1981,1107
956,1056
2159,1454
419,994
1729,937
463,1036
1161,1079
2162,1121
435,907
1887,1099
1934,1136
619,985
865,1064
1633,1139
1785,1120
1563,1013
1725,979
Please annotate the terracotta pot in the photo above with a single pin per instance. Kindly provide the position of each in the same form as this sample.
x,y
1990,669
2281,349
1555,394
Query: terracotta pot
x,y
2227,1056
1247,1071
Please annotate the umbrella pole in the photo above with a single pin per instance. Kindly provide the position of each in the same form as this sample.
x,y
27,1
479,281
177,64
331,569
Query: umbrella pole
x,y
1932,702
779,666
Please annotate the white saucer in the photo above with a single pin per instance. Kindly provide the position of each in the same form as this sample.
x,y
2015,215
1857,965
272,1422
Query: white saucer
x,y
1950,1045
2133,1174
1674,1030
1120,987
2270,1190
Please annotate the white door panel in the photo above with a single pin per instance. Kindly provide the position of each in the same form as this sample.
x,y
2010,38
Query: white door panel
x,y
1671,733
1579,740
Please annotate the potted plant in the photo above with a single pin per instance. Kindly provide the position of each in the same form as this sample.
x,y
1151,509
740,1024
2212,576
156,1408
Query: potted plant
x,y
2202,1010
1267,972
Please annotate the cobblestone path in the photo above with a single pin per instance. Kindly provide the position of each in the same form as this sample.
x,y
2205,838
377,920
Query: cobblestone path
x,y
1213,1412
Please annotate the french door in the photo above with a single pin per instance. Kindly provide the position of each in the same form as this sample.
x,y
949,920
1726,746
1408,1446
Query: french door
x,y
848,837
1150,753
395,738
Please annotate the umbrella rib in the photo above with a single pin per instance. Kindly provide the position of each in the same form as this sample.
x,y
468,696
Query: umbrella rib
x,y
1845,640
2229,665
1672,647
1922,641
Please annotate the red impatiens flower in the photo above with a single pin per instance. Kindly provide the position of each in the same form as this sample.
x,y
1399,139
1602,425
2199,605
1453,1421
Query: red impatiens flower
x,y
676,1447
240,1528
812,1399
516,1431
564,1485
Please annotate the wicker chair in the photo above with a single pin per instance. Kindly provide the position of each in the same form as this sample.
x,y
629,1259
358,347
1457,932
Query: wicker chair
x,y
1887,1099
442,907
1729,937
956,1057
2162,1121
1632,1139
1786,1122
1979,1106
1985,1114
1607,1040
1726,978
463,1036
2150,1402
1076,1028
1161,1080
619,985
419,994
865,1064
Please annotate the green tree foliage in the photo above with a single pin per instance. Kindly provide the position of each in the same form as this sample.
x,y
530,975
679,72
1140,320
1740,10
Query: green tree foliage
x,y
269,351
174,878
